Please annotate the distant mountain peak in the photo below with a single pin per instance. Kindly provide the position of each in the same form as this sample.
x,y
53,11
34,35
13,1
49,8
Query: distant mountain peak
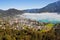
x,y
53,7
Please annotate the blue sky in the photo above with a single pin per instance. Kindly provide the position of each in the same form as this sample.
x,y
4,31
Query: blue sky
x,y
24,4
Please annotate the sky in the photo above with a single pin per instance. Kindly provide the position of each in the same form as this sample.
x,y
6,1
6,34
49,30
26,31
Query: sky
x,y
24,4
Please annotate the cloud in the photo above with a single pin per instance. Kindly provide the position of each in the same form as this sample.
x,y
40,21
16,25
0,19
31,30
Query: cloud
x,y
43,16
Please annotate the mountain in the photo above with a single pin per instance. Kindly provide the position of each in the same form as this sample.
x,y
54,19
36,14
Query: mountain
x,y
10,12
53,7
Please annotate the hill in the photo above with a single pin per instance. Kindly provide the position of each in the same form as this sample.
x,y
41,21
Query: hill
x,y
10,12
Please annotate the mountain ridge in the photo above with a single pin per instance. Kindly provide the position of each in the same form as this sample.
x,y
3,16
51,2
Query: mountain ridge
x,y
53,7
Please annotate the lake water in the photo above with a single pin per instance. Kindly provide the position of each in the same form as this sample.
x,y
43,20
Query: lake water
x,y
43,17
